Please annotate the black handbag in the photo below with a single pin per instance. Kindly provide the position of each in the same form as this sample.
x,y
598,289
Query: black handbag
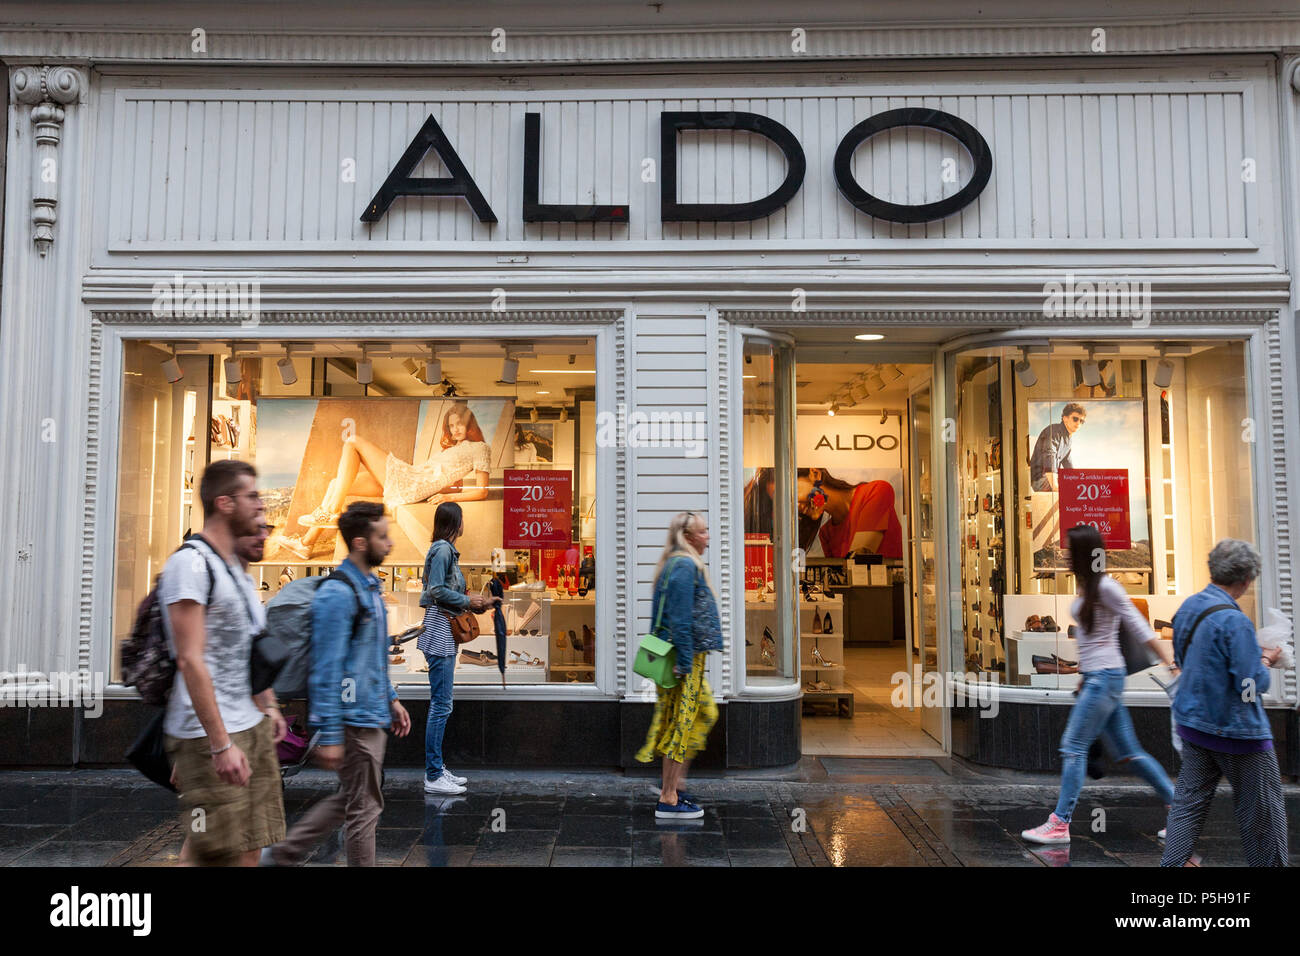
x,y
149,752
1133,645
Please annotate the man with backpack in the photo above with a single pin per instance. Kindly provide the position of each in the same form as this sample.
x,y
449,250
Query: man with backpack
x,y
219,737
352,701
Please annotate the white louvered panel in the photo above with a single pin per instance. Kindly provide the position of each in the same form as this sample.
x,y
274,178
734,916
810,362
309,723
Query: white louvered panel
x,y
1067,166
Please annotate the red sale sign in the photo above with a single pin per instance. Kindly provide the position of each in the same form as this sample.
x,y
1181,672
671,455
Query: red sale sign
x,y
1097,497
538,511
758,561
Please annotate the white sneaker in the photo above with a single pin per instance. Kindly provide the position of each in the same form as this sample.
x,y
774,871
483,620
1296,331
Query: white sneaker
x,y
454,778
442,785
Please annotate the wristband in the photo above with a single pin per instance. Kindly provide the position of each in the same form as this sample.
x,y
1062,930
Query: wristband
x,y
229,744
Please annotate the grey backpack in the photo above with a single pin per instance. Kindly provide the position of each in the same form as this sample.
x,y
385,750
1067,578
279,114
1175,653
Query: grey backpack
x,y
288,617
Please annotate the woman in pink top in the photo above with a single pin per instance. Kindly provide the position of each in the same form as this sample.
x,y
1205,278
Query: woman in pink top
x,y
1100,710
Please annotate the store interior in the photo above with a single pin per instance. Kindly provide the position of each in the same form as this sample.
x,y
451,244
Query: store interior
x,y
505,429
865,611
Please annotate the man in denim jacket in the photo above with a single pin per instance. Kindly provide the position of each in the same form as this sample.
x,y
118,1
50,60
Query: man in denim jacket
x,y
353,702
1220,717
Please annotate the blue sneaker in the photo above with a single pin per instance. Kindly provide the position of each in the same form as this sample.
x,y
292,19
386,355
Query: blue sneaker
x,y
683,810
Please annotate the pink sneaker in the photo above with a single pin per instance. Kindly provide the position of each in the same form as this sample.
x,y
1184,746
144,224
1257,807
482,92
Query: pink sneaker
x,y
1055,830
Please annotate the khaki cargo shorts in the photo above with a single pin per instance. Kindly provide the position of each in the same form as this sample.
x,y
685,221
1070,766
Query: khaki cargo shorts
x,y
221,820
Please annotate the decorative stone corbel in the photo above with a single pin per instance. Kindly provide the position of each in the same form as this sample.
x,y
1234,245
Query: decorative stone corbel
x,y
46,89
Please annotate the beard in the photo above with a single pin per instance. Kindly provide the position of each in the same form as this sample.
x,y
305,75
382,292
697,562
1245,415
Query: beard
x,y
375,557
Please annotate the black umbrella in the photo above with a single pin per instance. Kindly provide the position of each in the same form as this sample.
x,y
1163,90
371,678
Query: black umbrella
x,y
499,625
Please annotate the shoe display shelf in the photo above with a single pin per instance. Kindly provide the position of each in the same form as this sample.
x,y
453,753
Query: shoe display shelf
x,y
525,610
983,554
1022,646
572,639
760,616
816,640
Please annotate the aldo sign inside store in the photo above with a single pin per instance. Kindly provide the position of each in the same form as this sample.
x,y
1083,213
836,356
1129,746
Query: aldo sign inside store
x,y
460,183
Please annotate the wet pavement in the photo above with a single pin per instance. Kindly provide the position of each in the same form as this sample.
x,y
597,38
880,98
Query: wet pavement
x,y
824,812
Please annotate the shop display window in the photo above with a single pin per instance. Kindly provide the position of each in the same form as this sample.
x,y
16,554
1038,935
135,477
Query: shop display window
x,y
1144,441
508,436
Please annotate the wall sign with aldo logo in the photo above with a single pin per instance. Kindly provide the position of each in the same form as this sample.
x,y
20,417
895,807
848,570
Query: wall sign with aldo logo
x,y
538,509
1097,497
460,183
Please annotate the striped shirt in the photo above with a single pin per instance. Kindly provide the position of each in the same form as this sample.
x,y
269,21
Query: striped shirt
x,y
436,640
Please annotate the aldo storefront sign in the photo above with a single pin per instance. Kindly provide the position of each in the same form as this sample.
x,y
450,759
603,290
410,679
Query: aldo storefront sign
x,y
461,184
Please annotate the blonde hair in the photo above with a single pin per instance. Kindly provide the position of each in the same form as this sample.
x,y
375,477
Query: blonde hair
x,y
678,545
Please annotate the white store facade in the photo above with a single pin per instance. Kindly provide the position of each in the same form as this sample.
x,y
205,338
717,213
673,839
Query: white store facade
x,y
1169,174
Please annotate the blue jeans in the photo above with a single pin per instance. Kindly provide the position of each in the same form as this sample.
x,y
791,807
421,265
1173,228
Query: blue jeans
x,y
1100,712
441,674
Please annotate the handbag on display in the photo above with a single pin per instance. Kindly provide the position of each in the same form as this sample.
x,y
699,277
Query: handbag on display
x,y
655,657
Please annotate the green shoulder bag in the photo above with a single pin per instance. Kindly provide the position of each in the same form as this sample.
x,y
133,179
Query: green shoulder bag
x,y
655,657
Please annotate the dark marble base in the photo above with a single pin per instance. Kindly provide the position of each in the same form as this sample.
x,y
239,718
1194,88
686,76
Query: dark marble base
x,y
1027,736
480,733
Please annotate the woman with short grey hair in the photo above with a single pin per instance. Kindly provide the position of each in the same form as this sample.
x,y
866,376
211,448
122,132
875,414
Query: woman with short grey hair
x,y
1219,714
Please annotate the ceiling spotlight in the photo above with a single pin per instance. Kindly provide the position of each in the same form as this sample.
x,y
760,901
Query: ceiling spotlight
x,y
1024,371
859,392
573,359
532,414
509,370
450,390
365,369
432,369
884,415
232,367
893,373
171,369
287,374
835,407
1164,371
876,383
1091,371
564,414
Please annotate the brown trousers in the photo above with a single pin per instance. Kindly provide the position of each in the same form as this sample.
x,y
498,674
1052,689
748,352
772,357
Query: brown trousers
x,y
357,804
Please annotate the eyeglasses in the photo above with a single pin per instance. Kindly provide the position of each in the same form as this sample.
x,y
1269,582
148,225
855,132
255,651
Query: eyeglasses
x,y
255,495
1078,418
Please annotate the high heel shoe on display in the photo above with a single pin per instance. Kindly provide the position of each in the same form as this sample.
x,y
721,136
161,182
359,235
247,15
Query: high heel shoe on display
x,y
826,624
817,623
574,642
767,648
819,660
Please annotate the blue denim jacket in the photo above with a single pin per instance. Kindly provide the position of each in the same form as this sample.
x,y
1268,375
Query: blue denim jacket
x,y
444,584
1222,658
349,682
690,618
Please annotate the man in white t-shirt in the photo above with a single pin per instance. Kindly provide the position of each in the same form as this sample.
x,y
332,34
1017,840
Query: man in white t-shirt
x,y
221,738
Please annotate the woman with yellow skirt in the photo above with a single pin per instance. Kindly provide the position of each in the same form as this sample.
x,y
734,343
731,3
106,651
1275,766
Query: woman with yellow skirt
x,y
689,620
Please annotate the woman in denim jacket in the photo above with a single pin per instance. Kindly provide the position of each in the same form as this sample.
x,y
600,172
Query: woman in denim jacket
x,y
444,594
684,713
1220,718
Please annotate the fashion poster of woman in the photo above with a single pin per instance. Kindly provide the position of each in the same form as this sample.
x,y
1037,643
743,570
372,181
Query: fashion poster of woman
x,y
534,443
317,455
1099,433
852,511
